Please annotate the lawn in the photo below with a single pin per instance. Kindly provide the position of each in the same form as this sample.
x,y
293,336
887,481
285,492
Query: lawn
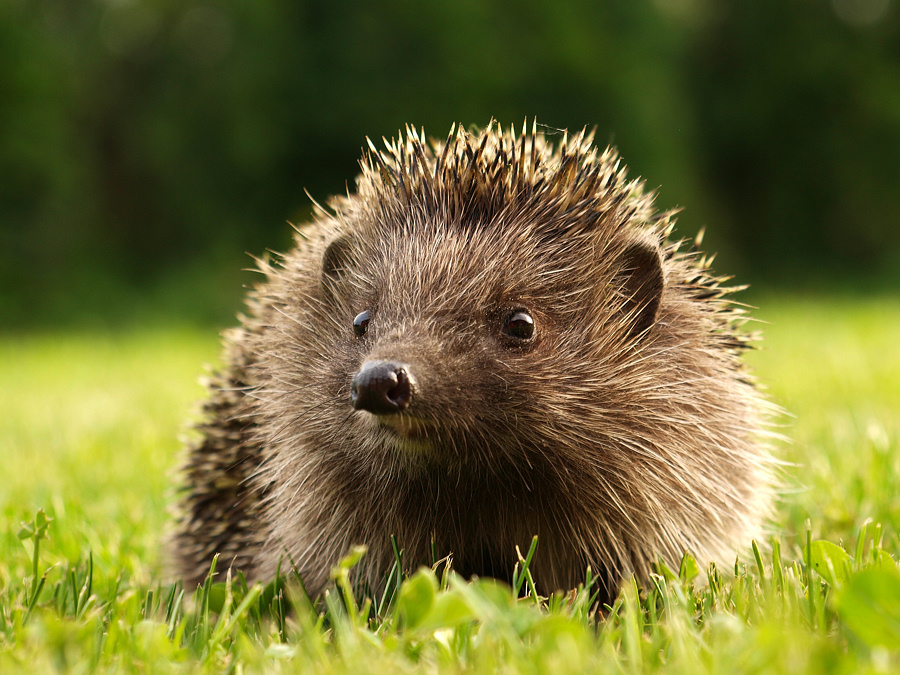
x,y
91,438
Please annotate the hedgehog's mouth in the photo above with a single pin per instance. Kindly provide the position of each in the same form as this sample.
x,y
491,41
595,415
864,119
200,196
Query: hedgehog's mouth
x,y
406,426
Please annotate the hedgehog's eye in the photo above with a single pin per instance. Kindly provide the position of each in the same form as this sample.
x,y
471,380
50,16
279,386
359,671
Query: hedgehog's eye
x,y
519,325
361,323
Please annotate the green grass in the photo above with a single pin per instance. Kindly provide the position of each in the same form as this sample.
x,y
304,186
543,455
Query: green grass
x,y
90,436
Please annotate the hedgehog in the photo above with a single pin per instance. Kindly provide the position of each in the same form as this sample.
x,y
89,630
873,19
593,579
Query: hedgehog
x,y
494,337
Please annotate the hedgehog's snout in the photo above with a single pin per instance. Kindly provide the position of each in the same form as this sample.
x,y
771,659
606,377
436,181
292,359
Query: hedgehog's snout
x,y
382,387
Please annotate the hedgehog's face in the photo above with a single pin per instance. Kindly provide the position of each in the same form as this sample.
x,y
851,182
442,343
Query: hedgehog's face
x,y
464,344
452,345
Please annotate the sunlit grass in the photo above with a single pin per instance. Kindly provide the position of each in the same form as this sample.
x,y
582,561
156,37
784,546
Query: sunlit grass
x,y
834,365
91,435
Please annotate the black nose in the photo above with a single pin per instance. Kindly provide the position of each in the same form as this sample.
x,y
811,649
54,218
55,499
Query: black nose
x,y
381,387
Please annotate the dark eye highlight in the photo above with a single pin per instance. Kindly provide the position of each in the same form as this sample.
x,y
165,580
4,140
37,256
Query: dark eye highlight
x,y
361,323
519,325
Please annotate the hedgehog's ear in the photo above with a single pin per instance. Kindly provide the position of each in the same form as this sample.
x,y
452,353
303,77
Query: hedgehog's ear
x,y
640,280
337,262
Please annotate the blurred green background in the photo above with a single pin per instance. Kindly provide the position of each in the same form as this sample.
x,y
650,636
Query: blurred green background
x,y
146,145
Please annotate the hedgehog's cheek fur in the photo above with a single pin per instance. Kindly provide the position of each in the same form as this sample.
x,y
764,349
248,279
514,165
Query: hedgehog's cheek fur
x,y
641,281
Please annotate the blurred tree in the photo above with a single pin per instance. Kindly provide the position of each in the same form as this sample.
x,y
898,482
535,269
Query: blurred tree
x,y
802,136
146,144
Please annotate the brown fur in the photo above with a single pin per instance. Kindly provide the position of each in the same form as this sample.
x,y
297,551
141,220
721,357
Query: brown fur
x,y
624,430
